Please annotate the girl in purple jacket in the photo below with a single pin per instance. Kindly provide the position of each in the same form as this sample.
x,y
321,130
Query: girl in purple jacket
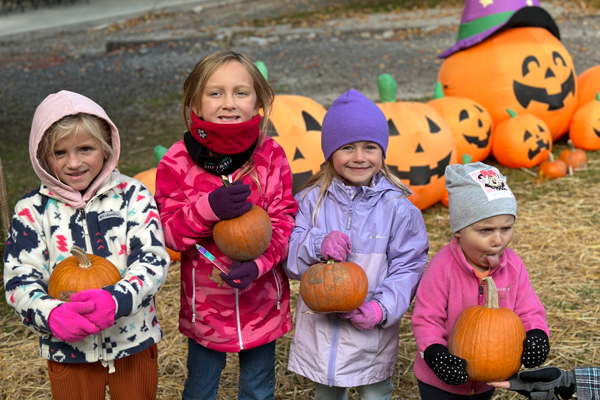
x,y
482,211
355,209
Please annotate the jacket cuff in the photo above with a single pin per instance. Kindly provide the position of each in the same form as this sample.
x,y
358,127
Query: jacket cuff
x,y
205,211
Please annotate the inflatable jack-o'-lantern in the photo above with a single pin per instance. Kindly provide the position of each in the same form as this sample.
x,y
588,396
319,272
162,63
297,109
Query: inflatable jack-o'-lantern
x,y
526,69
421,145
148,178
585,126
469,121
524,140
295,123
588,84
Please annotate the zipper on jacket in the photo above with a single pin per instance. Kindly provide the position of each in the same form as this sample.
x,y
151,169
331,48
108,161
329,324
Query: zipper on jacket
x,y
237,317
278,285
349,224
193,295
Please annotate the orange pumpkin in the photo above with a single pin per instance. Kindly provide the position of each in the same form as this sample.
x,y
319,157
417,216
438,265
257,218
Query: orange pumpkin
x,y
80,272
148,178
421,145
470,122
246,237
490,338
588,84
523,141
334,286
584,131
576,159
526,69
552,169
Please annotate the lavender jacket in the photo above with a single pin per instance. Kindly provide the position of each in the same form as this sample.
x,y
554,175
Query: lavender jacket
x,y
449,286
389,241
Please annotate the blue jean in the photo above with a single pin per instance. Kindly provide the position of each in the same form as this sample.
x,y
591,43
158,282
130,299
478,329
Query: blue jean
x,y
376,391
257,372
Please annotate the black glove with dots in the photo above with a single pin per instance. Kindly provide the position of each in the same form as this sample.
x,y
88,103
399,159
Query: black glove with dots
x,y
450,369
535,348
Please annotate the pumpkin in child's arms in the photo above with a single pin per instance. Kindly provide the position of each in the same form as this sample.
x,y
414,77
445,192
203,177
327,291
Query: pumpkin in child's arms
x,y
334,286
246,237
79,272
490,338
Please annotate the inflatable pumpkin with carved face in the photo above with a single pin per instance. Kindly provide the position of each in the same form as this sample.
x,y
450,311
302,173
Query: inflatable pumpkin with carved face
x,y
525,69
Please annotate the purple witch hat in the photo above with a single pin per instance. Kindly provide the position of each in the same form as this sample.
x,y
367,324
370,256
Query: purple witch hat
x,y
483,18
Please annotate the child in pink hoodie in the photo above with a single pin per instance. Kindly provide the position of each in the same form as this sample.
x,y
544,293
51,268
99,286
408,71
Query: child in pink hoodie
x,y
483,211
101,336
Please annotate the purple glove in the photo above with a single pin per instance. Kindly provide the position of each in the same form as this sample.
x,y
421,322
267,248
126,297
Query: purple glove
x,y
229,202
245,271
67,322
103,314
336,245
366,316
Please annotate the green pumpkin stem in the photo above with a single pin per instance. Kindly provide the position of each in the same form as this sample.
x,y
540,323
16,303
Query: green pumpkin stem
x,y
387,88
263,69
597,96
511,113
159,152
438,92
491,295
466,159
82,258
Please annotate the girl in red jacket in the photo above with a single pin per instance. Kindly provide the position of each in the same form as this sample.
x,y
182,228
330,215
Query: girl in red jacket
x,y
222,99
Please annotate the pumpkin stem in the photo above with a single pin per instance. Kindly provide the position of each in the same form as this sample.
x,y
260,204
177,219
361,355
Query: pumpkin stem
x,y
263,69
225,180
387,88
466,159
331,261
511,113
597,96
159,152
571,145
491,296
551,157
438,92
82,258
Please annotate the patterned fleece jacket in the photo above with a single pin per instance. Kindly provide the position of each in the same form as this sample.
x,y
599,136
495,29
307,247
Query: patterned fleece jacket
x,y
116,218
223,318
449,286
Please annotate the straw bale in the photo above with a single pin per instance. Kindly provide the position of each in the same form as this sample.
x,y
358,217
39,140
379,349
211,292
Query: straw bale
x,y
556,235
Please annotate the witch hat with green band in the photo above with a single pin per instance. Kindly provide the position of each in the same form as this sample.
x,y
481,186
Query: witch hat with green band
x,y
483,18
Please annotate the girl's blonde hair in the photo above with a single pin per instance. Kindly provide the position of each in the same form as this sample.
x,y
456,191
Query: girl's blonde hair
x,y
96,126
325,176
195,82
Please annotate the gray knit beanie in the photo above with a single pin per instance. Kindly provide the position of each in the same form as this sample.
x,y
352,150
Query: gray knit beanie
x,y
477,191
353,118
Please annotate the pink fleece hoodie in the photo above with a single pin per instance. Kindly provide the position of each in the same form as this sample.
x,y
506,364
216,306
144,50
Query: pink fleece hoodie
x,y
449,285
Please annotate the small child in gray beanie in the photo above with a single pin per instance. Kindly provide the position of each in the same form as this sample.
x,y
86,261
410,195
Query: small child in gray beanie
x,y
353,118
477,191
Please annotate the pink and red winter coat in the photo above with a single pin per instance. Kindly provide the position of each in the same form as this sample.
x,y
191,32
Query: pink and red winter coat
x,y
449,285
223,318
116,218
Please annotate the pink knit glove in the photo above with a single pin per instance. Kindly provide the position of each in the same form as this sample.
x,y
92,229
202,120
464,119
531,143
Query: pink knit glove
x,y
68,324
366,316
103,313
336,245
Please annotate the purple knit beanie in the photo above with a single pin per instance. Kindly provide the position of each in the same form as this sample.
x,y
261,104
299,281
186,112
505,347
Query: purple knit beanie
x,y
353,118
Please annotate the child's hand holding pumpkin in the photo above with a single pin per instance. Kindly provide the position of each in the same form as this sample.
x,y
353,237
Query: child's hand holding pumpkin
x,y
103,314
450,369
68,323
336,245
366,316
228,202
535,348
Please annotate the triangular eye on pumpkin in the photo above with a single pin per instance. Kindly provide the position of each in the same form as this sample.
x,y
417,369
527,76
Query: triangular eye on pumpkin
x,y
584,131
526,69
421,146
295,123
523,141
470,122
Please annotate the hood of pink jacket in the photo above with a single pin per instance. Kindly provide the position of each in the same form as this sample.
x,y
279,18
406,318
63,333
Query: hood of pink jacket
x,y
53,108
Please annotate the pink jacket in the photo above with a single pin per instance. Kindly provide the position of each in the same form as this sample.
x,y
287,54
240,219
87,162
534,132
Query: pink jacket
x,y
449,285
226,319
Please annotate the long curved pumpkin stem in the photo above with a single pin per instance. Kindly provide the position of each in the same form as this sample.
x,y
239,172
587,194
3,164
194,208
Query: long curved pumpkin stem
x,y
491,296
82,258
225,180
